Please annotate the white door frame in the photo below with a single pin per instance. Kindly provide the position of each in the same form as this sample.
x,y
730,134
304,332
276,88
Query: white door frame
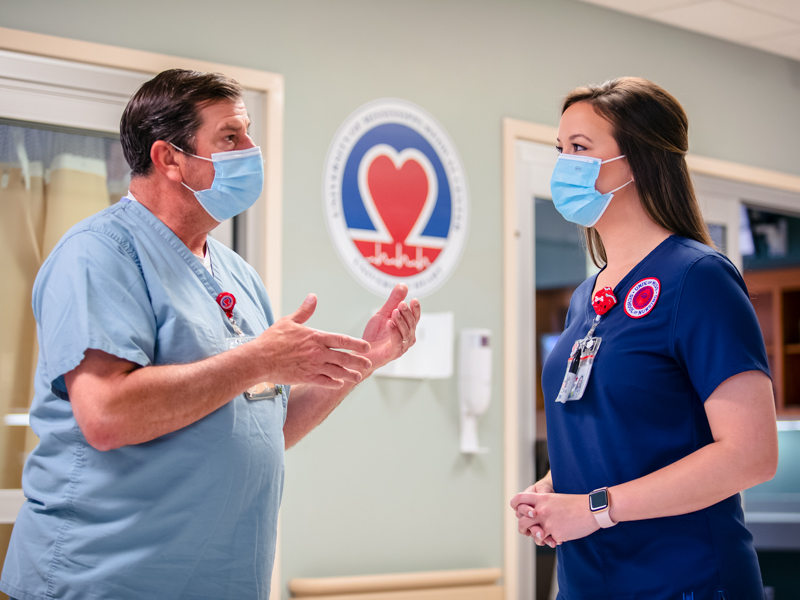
x,y
712,176
264,238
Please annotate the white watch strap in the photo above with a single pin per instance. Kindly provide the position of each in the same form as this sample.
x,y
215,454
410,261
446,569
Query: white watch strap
x,y
604,519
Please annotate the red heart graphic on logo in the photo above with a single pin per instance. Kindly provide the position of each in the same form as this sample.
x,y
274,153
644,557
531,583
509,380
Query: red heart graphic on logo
x,y
399,194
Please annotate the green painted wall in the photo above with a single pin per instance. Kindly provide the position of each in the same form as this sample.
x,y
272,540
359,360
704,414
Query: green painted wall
x,y
381,486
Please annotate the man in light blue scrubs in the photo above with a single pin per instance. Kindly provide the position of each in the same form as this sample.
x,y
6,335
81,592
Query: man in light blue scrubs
x,y
159,470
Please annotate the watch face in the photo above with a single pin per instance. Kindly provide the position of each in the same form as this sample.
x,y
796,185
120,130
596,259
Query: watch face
x,y
598,500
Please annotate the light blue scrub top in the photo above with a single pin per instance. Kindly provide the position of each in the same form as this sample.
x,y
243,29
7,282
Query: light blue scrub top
x,y
192,514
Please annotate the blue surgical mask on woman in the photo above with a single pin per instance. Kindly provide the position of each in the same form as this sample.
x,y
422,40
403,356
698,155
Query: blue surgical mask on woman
x,y
574,194
238,181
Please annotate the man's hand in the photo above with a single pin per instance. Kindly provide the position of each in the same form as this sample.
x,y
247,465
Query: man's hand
x,y
387,336
392,331
293,353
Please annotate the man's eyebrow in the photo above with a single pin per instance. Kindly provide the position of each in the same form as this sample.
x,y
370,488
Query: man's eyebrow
x,y
232,126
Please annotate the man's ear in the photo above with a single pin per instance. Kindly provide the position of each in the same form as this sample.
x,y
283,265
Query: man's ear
x,y
167,160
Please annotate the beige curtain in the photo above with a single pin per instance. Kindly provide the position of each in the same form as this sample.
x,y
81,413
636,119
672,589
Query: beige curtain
x,y
22,223
76,189
36,210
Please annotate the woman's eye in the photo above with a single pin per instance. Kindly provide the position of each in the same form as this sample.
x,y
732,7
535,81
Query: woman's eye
x,y
559,149
578,147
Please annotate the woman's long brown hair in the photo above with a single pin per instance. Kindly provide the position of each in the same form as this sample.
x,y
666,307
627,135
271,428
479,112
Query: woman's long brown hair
x,y
652,131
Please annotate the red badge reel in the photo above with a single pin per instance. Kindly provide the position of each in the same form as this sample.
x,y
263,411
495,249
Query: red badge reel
x,y
582,357
603,301
226,302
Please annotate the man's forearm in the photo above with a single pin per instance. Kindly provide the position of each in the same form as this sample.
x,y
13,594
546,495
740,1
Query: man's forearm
x,y
308,407
117,403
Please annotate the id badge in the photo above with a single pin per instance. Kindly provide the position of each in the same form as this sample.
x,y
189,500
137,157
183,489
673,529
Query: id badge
x,y
589,350
579,368
260,391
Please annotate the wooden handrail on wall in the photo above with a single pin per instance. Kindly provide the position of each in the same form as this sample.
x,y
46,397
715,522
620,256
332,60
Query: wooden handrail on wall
x,y
400,582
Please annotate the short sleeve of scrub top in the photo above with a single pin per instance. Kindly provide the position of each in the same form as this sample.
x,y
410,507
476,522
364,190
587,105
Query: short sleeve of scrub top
x,y
716,333
92,295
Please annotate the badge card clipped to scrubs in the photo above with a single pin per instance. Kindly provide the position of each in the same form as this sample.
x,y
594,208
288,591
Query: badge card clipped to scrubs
x,y
582,356
260,391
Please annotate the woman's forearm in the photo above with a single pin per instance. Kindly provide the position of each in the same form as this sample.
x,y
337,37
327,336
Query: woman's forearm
x,y
693,483
741,414
745,453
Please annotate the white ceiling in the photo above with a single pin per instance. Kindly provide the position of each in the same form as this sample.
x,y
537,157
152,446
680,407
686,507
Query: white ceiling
x,y
771,25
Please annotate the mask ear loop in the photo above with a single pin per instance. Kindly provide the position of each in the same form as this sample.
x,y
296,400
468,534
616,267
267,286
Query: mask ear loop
x,y
208,159
189,154
620,187
612,160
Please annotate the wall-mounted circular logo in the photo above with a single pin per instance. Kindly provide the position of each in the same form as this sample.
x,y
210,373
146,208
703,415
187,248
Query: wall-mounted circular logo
x,y
396,198
642,297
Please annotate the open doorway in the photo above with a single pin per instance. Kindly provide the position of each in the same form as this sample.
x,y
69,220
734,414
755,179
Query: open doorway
x,y
553,266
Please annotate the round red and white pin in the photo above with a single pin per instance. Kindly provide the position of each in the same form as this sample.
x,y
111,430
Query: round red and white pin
x,y
642,297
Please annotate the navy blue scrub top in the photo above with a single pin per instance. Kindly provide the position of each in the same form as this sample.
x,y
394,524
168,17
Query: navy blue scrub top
x,y
643,410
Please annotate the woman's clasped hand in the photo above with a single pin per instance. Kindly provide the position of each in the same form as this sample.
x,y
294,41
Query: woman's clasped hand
x,y
551,518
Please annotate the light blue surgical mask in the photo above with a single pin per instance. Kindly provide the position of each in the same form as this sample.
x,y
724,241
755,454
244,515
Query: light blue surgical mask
x,y
574,194
238,181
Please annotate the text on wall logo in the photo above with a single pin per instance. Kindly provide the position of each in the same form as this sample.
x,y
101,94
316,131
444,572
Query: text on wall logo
x,y
396,198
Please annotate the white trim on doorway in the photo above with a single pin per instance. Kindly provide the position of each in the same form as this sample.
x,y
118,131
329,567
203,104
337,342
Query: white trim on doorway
x,y
518,560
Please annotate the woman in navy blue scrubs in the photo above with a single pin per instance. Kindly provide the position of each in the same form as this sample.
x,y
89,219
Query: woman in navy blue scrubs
x,y
650,449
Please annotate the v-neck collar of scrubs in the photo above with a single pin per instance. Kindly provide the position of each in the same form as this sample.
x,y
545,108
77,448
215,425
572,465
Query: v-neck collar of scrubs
x,y
209,281
625,281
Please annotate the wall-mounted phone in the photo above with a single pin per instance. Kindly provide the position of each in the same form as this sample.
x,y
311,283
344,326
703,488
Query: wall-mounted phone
x,y
474,384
